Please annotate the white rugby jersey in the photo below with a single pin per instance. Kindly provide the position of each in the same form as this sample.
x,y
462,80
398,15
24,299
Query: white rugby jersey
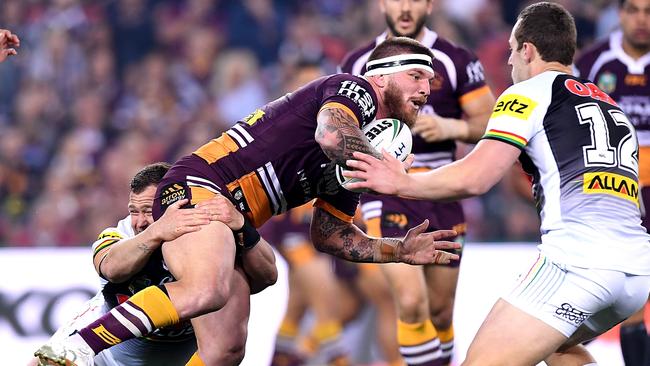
x,y
582,152
112,235
627,81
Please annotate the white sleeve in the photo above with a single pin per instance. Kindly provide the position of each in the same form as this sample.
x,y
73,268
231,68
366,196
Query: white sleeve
x,y
516,116
107,237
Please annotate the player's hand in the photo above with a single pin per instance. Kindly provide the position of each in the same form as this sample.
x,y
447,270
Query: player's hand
x,y
8,44
433,128
419,247
177,221
382,176
221,209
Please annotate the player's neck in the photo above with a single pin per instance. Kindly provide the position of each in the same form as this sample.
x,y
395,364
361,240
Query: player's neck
x,y
550,66
634,52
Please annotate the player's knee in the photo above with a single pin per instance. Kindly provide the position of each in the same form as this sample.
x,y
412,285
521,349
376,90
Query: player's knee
x,y
229,353
443,317
412,307
212,298
233,356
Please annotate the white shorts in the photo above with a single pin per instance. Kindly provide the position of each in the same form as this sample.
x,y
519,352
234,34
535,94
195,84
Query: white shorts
x,y
566,297
134,352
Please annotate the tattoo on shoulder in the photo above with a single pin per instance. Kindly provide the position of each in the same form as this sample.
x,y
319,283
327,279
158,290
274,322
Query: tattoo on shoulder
x,y
338,124
340,238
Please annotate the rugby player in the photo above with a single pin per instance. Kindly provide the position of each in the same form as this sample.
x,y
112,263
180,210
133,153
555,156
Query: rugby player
x,y
279,157
458,108
581,149
620,66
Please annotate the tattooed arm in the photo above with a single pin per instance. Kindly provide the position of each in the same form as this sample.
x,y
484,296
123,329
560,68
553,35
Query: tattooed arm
x,y
339,135
344,240
122,258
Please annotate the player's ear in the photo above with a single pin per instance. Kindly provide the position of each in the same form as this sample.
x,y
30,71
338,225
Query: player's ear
x,y
380,80
530,52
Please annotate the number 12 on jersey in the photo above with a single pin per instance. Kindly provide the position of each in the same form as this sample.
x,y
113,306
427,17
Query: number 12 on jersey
x,y
601,153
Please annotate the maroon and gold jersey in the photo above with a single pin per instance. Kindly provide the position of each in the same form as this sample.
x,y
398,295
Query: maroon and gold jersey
x,y
458,79
270,161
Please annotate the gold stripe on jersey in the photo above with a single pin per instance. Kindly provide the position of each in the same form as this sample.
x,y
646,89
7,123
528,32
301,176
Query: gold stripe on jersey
x,y
343,107
473,95
256,198
217,148
200,194
644,165
332,210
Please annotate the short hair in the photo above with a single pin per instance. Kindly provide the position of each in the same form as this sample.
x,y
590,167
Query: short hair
x,y
151,174
399,46
551,29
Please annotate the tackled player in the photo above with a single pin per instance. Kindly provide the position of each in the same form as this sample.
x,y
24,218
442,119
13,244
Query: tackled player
x,y
264,176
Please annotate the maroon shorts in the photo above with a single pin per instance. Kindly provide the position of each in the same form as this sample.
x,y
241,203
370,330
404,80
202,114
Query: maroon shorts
x,y
192,178
393,217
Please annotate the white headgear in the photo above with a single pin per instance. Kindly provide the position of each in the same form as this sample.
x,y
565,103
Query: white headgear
x,y
397,63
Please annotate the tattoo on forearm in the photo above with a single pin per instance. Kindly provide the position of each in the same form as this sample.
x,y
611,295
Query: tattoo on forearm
x,y
335,123
144,248
343,240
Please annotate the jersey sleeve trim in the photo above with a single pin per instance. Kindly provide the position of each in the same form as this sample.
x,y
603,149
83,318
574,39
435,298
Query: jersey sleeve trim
x,y
103,244
474,94
507,137
322,204
342,107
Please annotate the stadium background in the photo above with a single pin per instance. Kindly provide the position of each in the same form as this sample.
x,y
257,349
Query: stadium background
x,y
100,88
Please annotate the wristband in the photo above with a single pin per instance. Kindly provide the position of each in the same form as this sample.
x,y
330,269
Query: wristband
x,y
246,237
386,251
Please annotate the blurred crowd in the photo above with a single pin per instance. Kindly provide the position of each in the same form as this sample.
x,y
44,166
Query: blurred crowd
x,y
102,87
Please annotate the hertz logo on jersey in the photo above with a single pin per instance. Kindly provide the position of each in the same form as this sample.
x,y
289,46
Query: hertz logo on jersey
x,y
610,183
514,105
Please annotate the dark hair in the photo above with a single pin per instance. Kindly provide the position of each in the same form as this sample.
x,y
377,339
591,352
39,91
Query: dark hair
x,y
399,46
151,174
551,29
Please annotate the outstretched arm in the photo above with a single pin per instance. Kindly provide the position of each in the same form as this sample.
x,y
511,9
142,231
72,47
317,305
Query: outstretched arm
x,y
344,240
338,134
473,175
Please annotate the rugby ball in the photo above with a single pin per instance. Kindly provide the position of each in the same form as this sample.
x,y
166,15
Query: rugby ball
x,y
389,134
